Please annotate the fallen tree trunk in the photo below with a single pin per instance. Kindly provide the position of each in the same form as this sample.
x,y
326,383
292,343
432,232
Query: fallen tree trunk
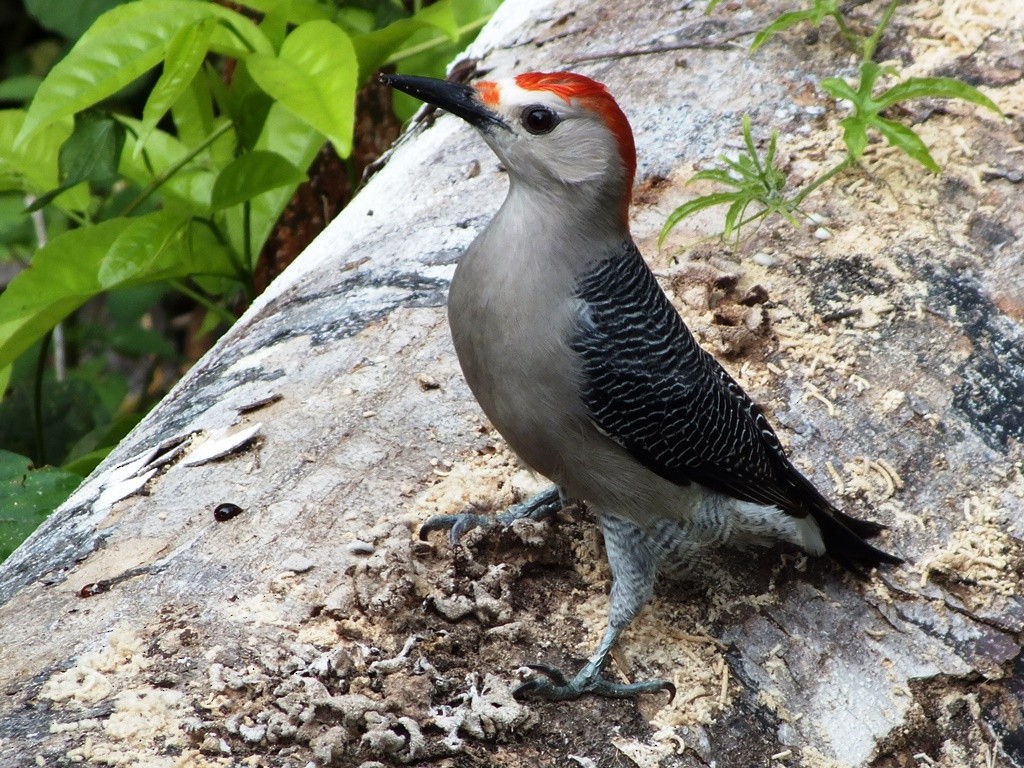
x,y
241,581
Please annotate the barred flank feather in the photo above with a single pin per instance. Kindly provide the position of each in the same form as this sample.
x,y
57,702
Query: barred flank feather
x,y
650,387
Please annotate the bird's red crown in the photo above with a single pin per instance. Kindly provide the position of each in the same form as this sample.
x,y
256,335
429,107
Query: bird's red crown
x,y
592,95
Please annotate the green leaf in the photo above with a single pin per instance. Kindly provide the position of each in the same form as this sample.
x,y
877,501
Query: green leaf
x,y
934,87
356,21
314,76
375,48
426,52
93,150
744,171
693,206
87,462
292,11
70,19
149,248
81,263
732,216
91,153
870,71
286,135
89,395
253,174
904,138
244,103
236,36
135,341
16,226
188,190
839,89
193,112
754,179
867,109
855,135
124,44
782,23
718,175
183,58
27,497
19,88
441,15
35,161
748,140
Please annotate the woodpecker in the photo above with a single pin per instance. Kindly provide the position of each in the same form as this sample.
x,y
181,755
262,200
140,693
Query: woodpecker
x,y
584,367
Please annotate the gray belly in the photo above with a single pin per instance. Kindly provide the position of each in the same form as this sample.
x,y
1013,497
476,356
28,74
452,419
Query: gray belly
x,y
517,362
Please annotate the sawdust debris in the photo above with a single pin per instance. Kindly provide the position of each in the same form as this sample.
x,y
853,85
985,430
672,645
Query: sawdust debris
x,y
981,555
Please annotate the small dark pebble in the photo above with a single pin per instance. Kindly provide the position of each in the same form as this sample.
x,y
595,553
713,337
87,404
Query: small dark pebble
x,y
94,588
226,512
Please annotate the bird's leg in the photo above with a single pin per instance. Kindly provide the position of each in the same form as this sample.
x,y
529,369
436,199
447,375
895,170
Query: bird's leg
x,y
633,563
537,507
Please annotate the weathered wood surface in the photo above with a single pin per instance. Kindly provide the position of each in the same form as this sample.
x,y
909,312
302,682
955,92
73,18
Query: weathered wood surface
x,y
313,628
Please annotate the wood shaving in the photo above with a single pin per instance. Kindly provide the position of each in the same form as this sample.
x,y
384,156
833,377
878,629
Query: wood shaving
x,y
875,478
981,555
837,480
812,392
859,382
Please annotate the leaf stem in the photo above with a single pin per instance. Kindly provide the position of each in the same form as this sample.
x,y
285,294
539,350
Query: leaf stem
x,y
872,42
243,271
852,39
59,347
413,50
247,235
198,298
828,175
37,401
159,180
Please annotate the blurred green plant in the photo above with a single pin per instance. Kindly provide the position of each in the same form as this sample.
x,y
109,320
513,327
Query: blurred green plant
x,y
152,162
27,496
761,183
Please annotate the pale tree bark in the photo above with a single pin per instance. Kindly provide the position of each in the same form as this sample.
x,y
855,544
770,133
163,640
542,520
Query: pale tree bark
x,y
309,626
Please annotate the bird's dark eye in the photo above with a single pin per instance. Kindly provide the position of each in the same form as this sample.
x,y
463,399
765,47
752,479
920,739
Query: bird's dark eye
x,y
538,120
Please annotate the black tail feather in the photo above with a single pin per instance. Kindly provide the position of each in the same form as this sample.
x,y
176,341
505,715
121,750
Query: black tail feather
x,y
866,529
844,538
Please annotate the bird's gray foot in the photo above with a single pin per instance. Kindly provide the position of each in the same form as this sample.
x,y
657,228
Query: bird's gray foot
x,y
633,562
538,507
556,687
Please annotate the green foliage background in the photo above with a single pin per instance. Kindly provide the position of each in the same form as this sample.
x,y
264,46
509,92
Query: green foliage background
x,y
147,151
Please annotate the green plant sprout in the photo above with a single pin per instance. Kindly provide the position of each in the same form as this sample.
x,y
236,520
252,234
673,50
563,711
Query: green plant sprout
x,y
762,183
867,109
816,15
754,180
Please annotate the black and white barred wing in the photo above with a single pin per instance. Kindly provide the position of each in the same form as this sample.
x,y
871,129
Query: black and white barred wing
x,y
650,387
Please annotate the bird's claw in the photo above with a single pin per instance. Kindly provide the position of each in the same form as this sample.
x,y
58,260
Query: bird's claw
x,y
554,674
558,688
456,525
538,507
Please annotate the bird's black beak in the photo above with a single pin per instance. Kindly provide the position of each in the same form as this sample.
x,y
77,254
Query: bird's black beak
x,y
457,98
